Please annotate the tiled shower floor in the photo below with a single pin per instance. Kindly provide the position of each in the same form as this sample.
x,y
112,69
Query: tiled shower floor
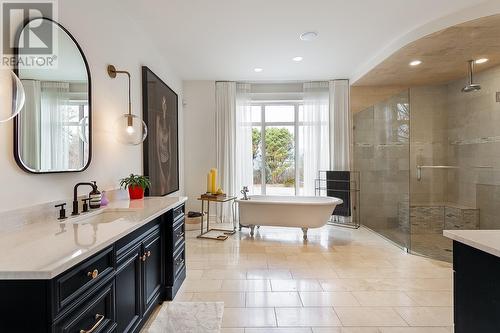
x,y
430,245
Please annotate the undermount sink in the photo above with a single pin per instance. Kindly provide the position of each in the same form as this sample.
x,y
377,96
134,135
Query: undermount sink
x,y
99,217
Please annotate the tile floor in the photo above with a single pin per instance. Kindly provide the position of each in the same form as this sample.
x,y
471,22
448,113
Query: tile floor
x,y
340,281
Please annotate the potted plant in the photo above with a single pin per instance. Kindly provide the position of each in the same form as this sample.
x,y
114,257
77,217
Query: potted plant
x,y
136,185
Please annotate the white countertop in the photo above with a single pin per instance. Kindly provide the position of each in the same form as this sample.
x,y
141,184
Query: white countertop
x,y
46,248
484,240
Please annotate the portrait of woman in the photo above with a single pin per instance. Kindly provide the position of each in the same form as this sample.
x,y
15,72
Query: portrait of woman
x,y
161,153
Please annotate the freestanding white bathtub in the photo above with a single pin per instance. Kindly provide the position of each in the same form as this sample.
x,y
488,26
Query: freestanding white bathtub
x,y
286,211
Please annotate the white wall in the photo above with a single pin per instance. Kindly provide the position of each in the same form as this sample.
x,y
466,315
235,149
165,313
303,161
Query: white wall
x,y
199,129
107,36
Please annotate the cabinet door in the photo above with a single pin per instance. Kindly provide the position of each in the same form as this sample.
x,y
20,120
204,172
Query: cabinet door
x,y
128,290
97,314
153,274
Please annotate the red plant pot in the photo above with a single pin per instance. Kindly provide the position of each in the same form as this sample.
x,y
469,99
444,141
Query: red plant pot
x,y
135,192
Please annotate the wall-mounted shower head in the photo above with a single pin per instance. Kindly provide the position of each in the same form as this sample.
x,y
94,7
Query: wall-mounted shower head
x,y
471,86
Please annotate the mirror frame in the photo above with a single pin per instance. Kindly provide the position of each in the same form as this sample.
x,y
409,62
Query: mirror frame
x,y
17,156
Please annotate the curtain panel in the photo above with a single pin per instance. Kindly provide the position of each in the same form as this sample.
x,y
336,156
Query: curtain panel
x,y
340,126
314,133
233,135
30,125
54,137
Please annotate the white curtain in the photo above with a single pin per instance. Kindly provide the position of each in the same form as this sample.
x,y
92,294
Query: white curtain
x,y
54,139
340,126
233,135
314,133
244,163
225,103
29,125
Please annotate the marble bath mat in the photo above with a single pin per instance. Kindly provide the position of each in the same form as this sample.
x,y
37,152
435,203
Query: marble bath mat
x,y
188,317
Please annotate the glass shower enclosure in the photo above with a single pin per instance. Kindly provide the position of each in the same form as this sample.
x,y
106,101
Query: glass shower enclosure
x,y
429,160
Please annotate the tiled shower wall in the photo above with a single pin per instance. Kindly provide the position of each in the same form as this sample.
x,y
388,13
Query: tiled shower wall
x,y
449,127
474,146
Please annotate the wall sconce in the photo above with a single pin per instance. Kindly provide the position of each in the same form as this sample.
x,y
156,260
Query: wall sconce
x,y
131,129
11,95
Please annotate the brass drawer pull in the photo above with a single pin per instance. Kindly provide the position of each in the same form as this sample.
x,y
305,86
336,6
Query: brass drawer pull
x,y
179,261
180,234
93,274
99,318
148,253
143,257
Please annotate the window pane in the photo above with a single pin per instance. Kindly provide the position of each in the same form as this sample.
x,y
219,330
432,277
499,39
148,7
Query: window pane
x,y
257,160
256,113
280,113
280,160
301,112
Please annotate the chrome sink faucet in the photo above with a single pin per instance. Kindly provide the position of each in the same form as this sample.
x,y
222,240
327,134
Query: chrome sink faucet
x,y
75,196
244,191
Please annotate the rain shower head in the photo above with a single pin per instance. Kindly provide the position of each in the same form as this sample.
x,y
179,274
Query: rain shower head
x,y
471,86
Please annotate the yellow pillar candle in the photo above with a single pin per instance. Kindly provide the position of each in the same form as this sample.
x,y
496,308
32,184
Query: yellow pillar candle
x,y
213,171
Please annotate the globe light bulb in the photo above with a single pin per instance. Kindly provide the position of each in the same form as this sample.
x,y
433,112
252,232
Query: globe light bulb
x,y
130,129
12,95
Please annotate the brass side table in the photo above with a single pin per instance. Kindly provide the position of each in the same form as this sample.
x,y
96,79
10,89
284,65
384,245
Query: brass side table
x,y
217,199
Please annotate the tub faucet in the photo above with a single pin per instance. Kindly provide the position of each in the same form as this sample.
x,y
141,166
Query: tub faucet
x,y
75,196
244,191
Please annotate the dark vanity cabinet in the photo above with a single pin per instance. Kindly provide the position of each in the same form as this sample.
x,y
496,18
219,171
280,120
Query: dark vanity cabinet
x,y
476,290
115,290
175,244
139,269
128,277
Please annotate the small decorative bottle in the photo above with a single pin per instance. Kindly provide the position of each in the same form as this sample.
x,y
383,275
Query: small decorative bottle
x,y
104,199
95,197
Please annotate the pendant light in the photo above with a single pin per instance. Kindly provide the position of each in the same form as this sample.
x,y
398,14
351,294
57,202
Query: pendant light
x,y
12,95
131,129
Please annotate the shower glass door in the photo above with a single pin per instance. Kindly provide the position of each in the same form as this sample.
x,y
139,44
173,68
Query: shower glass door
x,y
455,161
381,156
431,168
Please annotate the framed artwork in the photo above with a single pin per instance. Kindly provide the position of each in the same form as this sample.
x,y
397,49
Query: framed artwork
x,y
161,147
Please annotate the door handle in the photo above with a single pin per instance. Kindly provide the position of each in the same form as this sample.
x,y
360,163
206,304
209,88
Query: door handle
x,y
93,274
99,318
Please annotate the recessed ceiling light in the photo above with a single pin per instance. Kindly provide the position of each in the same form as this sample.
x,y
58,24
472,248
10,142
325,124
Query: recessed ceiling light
x,y
415,63
481,61
257,70
297,59
309,35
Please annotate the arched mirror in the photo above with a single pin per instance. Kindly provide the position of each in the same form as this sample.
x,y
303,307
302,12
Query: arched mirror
x,y
53,130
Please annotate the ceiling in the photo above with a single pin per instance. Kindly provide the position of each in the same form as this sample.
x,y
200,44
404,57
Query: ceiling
x,y
443,54
227,39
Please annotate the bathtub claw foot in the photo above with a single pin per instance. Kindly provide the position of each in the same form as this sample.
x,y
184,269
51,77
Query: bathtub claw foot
x,y
252,229
304,231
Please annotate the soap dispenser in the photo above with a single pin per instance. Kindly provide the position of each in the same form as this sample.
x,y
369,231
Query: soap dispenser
x,y
95,197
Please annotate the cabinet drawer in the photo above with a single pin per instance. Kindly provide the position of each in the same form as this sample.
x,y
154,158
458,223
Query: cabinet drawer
x,y
179,261
96,314
178,212
74,282
179,233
